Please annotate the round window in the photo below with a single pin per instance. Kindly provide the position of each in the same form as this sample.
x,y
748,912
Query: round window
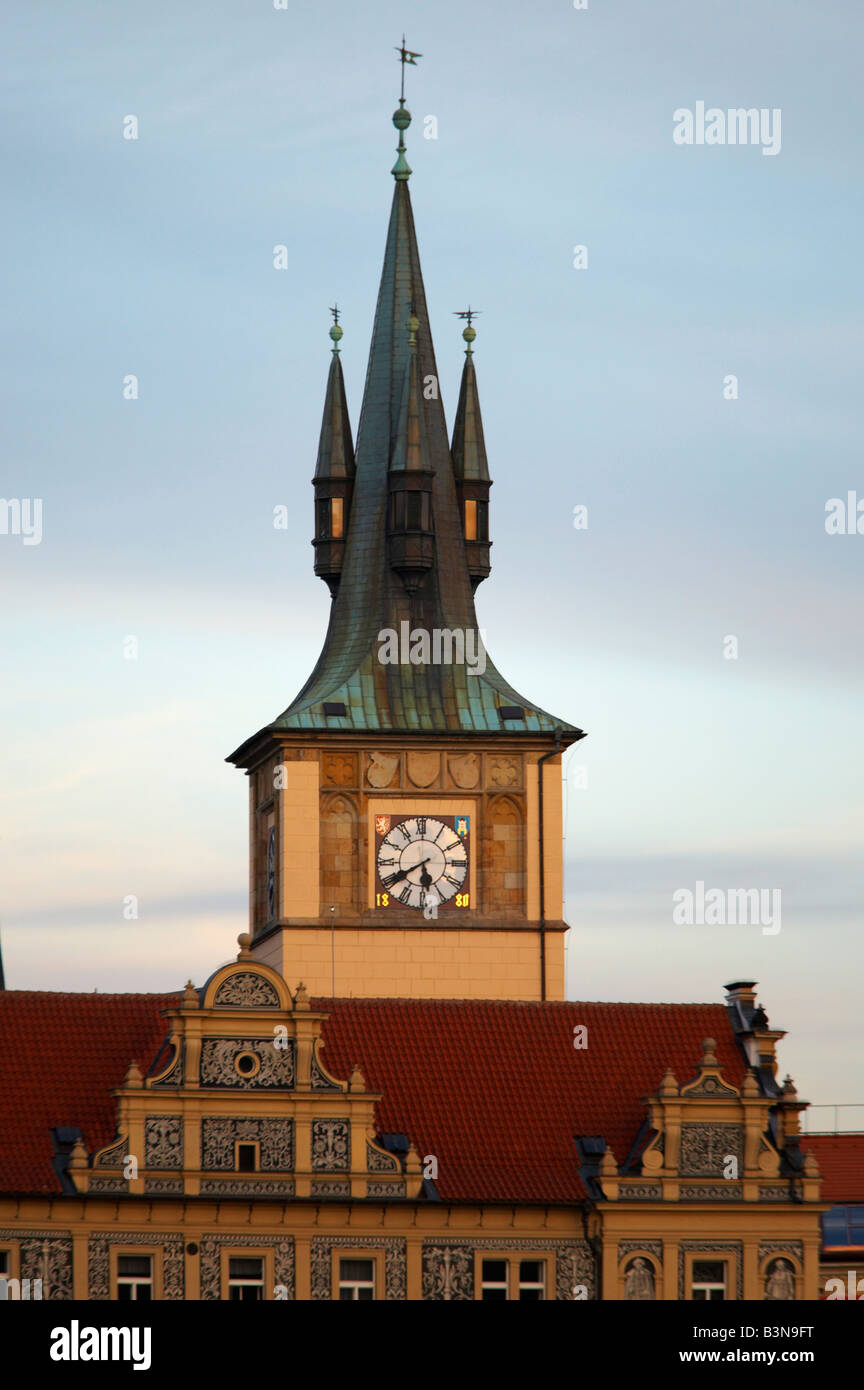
x,y
246,1063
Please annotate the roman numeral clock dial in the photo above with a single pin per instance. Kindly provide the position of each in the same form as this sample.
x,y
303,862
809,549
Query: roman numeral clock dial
x,y
422,862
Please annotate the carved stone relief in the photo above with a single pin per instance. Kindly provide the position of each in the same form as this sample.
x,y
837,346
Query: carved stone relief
x,y
163,1187
381,769
705,1148
378,1162
325,1188
45,1255
504,772
274,1137
247,991
318,1081
331,1145
163,1141
245,1187
423,768
276,1069
710,1192
174,1075
339,770
114,1157
448,1273
464,769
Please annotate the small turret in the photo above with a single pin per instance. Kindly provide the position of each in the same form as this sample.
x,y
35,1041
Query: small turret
x,y
334,473
470,469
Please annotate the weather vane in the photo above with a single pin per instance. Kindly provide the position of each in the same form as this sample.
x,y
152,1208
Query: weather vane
x,y
335,331
468,333
406,56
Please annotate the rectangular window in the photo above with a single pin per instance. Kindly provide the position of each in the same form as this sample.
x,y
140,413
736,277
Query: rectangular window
x,y
356,1281
532,1281
322,530
482,521
4,1261
843,1226
414,511
336,518
493,1281
245,1279
470,519
247,1158
135,1278
709,1280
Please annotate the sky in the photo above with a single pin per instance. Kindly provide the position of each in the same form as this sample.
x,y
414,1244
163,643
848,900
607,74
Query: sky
x,y
737,763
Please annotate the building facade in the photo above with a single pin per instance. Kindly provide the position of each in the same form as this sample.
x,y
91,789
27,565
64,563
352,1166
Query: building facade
x,y
386,1095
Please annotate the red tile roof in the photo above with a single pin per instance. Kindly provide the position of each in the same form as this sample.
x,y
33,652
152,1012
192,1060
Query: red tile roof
x,y
841,1163
495,1090
60,1057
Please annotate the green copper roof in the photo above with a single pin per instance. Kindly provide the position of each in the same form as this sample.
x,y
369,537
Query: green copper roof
x,y
335,445
469,447
371,597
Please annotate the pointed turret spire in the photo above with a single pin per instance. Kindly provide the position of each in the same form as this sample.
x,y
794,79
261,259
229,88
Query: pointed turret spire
x,y
469,463
334,472
416,574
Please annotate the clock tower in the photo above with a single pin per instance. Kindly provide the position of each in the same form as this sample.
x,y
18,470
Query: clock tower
x,y
405,809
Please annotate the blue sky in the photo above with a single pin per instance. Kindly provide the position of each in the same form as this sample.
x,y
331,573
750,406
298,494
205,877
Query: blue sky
x,y
601,387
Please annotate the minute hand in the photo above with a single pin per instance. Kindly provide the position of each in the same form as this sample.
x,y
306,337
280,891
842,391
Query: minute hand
x,y
405,872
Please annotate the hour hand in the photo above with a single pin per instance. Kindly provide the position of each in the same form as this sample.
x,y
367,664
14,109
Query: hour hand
x,y
403,873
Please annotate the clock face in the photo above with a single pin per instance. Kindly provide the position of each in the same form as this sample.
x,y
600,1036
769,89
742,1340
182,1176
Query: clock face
x,y
422,861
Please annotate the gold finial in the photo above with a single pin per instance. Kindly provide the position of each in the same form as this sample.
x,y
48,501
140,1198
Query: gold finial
x,y
468,333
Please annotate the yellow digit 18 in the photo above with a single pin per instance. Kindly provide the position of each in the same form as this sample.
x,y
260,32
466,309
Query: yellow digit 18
x,y
382,899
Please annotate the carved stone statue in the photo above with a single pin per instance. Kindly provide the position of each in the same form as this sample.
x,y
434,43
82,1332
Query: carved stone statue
x,y
639,1281
780,1282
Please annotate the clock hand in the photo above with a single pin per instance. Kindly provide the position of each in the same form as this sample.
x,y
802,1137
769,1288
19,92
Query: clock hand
x,y
425,877
405,872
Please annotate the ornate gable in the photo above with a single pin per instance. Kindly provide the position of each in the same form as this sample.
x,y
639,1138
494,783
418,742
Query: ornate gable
x,y
244,1105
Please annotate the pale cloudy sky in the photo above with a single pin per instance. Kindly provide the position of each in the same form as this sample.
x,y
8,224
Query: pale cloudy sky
x,y
601,387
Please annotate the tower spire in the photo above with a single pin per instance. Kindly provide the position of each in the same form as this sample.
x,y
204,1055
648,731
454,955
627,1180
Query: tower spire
x,y
334,471
386,573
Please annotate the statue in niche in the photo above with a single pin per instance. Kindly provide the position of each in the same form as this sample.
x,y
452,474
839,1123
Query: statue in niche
x,y
780,1282
639,1280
